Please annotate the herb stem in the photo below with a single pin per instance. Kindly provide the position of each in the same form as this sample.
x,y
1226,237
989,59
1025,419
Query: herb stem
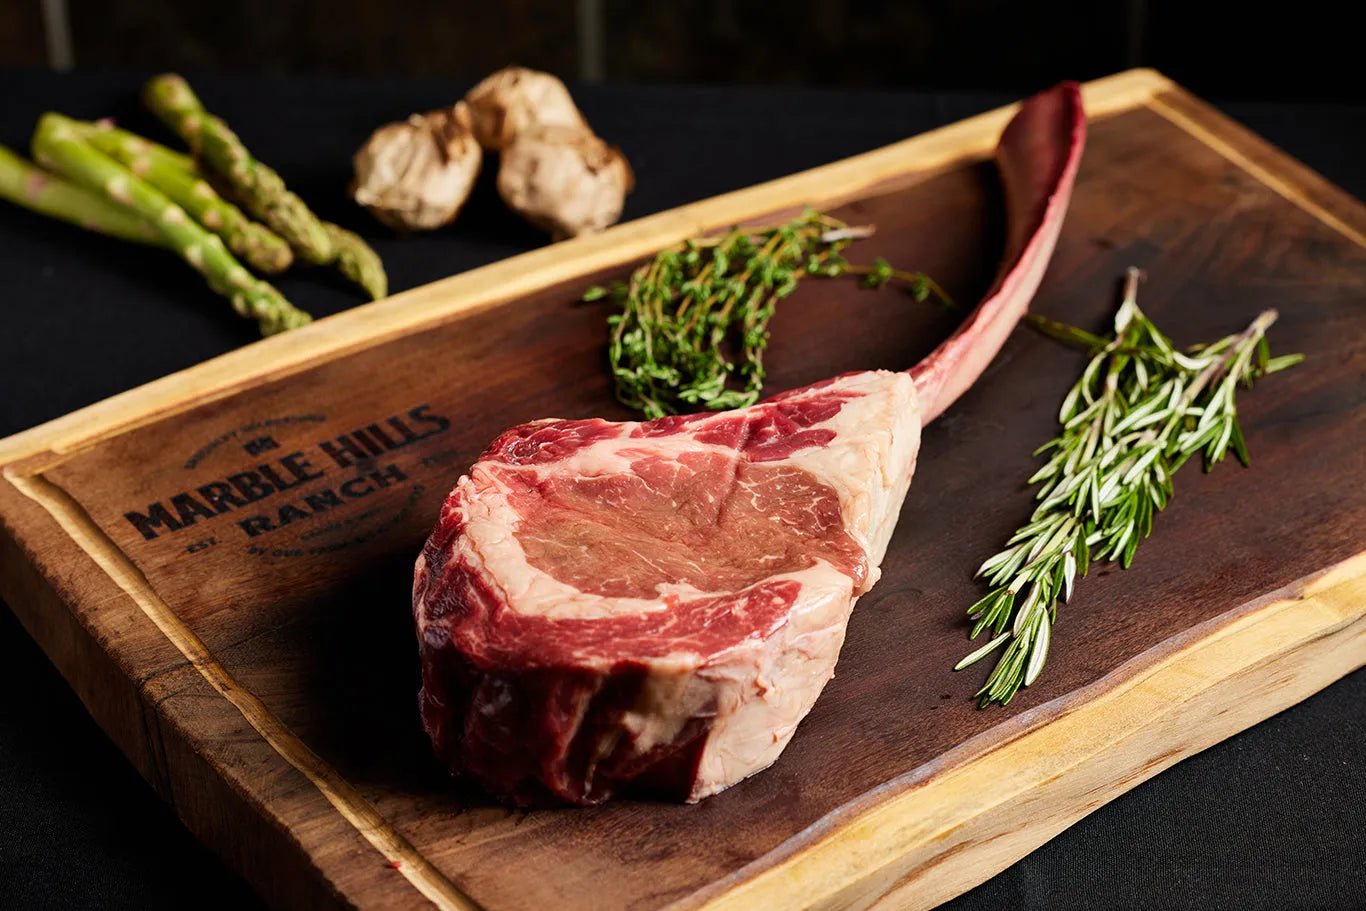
x,y
912,279
1140,410
693,325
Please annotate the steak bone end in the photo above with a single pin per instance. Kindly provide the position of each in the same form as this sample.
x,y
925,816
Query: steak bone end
x,y
654,607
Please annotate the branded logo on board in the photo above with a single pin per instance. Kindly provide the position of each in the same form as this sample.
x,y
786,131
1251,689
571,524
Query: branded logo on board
x,y
260,445
311,485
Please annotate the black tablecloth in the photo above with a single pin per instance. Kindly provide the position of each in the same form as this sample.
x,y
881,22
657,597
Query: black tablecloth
x,y
1272,818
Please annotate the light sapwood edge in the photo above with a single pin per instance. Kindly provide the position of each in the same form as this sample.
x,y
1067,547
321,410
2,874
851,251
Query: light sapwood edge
x,y
274,859
1276,183
341,794
370,324
996,807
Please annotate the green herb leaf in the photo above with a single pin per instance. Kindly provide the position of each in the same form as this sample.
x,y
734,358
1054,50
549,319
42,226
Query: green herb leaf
x,y
1140,410
694,321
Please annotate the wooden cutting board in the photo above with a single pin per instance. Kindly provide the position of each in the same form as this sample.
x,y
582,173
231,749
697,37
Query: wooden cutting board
x,y
259,667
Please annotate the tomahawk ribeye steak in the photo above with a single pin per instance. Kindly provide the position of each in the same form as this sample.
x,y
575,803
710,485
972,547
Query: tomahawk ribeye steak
x,y
658,605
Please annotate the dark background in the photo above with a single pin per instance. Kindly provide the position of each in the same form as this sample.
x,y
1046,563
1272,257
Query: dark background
x,y
1272,818
1302,51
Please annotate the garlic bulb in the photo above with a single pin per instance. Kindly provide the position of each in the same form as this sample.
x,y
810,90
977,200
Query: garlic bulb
x,y
415,175
564,179
516,98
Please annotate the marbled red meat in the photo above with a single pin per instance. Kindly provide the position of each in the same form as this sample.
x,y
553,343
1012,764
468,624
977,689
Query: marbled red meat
x,y
657,605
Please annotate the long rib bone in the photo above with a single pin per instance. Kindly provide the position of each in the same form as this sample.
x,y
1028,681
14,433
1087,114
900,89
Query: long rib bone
x,y
656,606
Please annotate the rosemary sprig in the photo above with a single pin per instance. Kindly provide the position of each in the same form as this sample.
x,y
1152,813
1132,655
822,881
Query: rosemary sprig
x,y
1141,409
693,326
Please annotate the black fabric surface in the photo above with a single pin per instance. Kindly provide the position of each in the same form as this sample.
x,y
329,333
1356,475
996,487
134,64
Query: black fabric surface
x,y
1272,818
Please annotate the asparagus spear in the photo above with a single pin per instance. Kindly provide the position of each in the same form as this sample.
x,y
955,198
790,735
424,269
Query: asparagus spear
x,y
58,144
260,247
357,261
258,188
165,157
24,183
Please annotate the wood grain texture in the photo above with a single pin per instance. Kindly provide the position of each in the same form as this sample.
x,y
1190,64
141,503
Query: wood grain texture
x,y
257,665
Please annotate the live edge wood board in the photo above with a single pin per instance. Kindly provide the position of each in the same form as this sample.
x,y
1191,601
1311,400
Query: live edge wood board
x,y
259,666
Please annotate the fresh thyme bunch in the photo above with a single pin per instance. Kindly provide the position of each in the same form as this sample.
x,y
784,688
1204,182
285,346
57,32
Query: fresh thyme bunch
x,y
694,321
1141,409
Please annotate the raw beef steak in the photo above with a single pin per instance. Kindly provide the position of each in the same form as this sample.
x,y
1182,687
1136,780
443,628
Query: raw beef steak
x,y
658,605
